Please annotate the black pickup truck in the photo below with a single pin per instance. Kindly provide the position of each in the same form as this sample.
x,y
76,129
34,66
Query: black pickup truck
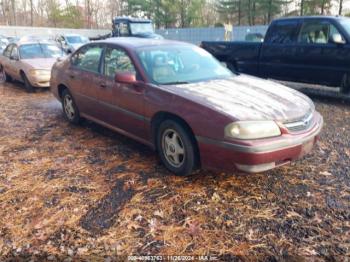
x,y
301,49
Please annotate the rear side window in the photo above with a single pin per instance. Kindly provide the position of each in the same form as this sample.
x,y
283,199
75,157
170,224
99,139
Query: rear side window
x,y
88,58
282,32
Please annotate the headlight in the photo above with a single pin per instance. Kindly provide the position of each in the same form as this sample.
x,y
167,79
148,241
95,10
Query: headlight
x,y
39,72
252,129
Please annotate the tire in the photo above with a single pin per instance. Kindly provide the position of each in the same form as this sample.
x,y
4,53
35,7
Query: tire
x,y
345,84
176,148
4,77
70,109
27,85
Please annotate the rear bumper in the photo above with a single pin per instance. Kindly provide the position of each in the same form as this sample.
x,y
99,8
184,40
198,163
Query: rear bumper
x,y
258,155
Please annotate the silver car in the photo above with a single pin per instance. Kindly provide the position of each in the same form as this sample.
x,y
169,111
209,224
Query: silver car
x,y
29,62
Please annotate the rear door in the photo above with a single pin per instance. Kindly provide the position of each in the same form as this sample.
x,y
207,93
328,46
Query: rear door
x,y
6,59
85,67
15,63
277,58
319,60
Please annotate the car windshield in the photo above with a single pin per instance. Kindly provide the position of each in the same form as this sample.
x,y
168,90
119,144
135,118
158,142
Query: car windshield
x,y
141,28
180,64
30,51
76,40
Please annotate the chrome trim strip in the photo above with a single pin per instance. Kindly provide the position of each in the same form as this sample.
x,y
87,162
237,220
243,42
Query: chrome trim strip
x,y
303,123
280,145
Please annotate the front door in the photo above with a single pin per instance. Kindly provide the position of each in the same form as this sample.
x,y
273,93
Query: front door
x,y
122,104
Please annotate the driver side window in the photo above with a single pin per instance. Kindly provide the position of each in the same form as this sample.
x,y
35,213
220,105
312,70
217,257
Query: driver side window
x,y
117,60
14,52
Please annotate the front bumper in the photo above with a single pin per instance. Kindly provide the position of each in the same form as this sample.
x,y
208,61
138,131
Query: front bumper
x,y
258,155
40,80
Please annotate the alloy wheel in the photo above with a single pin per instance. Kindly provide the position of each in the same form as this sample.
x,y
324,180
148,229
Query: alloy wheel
x,y
173,148
68,107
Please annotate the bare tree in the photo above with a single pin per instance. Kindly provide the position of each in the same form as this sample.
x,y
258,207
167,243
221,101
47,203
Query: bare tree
x,y
340,7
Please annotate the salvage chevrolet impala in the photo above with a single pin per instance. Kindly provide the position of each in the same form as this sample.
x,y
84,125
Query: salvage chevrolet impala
x,y
178,99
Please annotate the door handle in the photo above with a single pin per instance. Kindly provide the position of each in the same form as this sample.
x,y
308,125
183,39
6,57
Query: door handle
x,y
103,85
72,76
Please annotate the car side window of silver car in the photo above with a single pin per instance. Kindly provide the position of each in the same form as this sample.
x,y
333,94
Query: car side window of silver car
x,y
117,60
14,53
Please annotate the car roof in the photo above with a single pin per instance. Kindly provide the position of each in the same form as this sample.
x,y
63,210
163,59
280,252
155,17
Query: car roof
x,y
311,17
131,19
28,42
136,42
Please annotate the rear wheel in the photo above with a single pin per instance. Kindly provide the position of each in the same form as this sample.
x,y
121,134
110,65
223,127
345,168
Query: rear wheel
x,y
27,85
70,109
4,77
345,84
176,148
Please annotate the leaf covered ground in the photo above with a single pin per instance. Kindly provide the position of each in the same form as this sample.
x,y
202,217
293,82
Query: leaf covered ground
x,y
84,192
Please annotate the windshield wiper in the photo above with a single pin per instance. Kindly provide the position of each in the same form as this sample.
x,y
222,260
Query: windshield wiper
x,y
176,83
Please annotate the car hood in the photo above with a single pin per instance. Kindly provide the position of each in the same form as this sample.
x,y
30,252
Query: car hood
x,y
40,63
247,98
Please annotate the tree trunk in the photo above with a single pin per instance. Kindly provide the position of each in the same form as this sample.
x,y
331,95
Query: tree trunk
x,y
269,12
301,7
249,12
322,7
340,7
13,6
239,12
31,13
254,12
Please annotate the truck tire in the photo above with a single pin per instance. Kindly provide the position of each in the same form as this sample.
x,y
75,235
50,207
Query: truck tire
x,y
345,84
28,86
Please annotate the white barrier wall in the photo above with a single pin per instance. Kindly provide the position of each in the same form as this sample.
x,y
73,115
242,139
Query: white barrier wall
x,y
192,35
23,30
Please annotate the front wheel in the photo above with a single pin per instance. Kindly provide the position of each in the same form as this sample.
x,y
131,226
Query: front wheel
x,y
70,109
176,148
28,86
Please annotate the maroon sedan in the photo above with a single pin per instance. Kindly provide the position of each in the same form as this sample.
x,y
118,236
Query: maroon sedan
x,y
176,98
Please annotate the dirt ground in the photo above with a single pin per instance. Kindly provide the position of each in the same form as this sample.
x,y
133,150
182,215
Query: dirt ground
x,y
84,192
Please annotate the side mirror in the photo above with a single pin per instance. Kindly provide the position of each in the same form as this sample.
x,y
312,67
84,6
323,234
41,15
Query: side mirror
x,y
125,78
337,39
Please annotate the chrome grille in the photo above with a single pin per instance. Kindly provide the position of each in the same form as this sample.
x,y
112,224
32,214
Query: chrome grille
x,y
300,125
